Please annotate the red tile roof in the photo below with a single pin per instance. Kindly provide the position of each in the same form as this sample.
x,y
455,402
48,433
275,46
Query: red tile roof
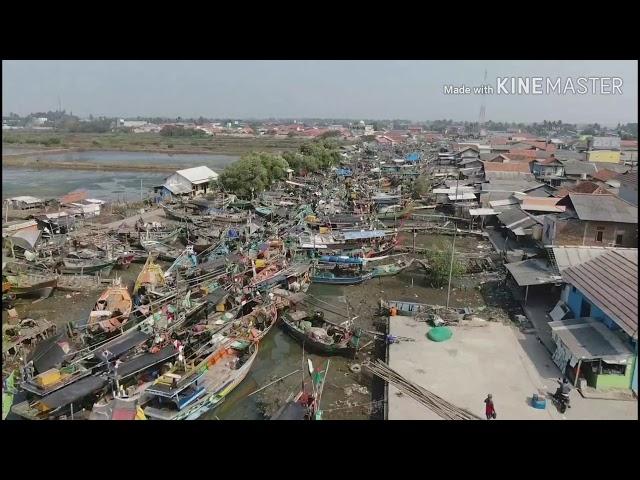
x,y
604,175
73,197
521,152
541,145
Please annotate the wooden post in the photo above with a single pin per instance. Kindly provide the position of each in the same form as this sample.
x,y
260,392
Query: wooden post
x,y
526,294
453,250
575,382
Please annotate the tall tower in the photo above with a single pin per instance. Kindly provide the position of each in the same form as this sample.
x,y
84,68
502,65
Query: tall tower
x,y
483,107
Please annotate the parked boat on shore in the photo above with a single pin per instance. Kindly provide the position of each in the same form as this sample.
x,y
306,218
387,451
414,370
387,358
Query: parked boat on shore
x,y
32,285
188,393
319,335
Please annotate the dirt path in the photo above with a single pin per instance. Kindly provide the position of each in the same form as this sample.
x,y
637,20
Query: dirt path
x,y
153,214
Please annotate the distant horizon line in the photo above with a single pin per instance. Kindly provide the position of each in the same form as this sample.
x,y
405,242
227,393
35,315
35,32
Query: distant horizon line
x,y
302,119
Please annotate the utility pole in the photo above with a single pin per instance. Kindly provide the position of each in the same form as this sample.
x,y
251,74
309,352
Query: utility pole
x,y
453,251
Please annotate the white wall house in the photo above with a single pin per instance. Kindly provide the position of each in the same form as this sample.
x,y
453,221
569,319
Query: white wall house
x,y
191,181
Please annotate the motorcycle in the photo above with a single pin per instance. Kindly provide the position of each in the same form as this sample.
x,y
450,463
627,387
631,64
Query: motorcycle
x,y
561,400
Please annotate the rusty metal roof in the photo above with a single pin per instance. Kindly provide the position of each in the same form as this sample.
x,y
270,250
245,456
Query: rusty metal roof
x,y
610,282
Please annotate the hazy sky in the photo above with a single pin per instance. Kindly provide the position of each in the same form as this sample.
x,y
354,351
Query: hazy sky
x,y
322,89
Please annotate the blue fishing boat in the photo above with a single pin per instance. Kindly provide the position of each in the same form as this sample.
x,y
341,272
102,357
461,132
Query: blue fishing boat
x,y
332,278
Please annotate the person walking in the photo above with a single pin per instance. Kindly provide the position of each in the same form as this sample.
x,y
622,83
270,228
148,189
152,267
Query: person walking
x,y
489,409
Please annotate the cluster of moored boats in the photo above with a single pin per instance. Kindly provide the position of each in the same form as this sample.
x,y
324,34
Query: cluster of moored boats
x,y
217,277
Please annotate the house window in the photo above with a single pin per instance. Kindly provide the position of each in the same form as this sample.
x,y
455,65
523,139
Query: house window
x,y
619,239
599,234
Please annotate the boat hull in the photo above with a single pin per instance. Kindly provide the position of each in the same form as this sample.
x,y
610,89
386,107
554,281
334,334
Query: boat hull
x,y
316,347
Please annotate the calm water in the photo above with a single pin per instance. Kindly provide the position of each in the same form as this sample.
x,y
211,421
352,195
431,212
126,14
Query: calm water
x,y
101,157
104,185
51,183
279,355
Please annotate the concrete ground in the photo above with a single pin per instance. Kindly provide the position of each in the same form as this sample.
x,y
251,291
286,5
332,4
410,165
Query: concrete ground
x,y
481,358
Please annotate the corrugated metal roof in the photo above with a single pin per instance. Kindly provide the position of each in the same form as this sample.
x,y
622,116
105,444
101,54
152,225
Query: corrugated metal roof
x,y
572,256
577,167
587,338
628,179
542,204
198,174
25,199
508,175
177,189
482,211
610,282
462,196
534,271
603,208
511,216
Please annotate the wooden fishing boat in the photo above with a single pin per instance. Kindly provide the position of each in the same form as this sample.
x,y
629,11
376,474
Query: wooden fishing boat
x,y
61,402
32,285
160,250
320,336
202,238
256,324
329,277
151,276
87,265
227,217
8,390
176,214
23,337
391,268
264,211
299,407
164,236
111,311
188,393
54,379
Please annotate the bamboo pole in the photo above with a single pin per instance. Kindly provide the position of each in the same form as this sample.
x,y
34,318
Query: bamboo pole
x,y
271,383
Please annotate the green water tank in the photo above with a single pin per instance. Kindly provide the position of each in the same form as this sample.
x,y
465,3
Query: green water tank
x,y
439,334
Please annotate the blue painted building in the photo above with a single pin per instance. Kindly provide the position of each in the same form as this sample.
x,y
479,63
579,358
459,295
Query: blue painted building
x,y
606,289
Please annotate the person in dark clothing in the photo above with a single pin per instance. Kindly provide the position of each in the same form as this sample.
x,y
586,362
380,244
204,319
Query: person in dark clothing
x,y
489,409
564,388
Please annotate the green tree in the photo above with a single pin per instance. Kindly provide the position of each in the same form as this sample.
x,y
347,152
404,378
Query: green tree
x,y
253,173
439,263
421,186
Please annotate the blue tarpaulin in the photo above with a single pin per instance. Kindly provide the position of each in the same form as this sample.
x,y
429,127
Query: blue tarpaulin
x,y
364,234
413,157
344,172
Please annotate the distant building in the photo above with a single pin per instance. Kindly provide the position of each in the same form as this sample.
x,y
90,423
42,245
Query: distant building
x,y
131,123
603,156
592,220
188,182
